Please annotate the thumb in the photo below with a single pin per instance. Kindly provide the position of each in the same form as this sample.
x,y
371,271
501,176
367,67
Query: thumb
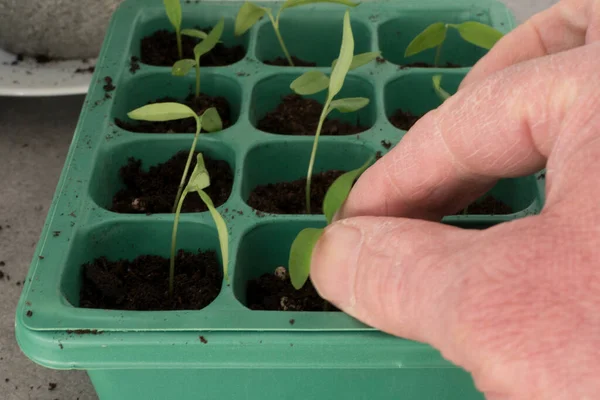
x,y
503,302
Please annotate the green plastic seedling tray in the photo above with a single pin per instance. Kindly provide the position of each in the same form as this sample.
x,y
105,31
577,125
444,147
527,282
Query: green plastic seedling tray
x,y
248,354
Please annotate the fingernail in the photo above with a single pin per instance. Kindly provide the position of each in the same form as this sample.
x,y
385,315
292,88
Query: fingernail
x,y
334,264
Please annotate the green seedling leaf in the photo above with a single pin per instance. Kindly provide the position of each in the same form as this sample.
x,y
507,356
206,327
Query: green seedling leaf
x,y
247,16
442,94
221,230
336,81
310,82
173,10
211,121
349,104
340,189
360,59
296,3
433,36
162,112
194,33
200,178
479,34
211,40
301,254
183,67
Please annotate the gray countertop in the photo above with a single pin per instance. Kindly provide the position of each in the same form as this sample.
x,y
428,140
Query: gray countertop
x,y
34,138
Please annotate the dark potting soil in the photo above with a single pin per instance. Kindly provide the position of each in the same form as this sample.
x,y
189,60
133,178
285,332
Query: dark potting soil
x,y
404,119
143,284
427,65
188,125
283,62
489,206
297,115
276,293
289,197
153,191
160,49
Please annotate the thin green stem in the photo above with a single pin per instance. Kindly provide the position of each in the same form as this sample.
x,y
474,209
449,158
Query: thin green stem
x,y
438,55
174,242
197,78
275,23
313,154
179,47
189,161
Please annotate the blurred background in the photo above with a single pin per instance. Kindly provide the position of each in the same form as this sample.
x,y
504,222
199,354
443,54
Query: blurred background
x,y
36,128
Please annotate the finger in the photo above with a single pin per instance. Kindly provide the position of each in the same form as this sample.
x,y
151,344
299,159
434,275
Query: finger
x,y
497,291
505,126
566,25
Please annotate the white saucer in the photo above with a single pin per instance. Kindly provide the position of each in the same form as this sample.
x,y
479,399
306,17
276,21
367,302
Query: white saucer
x,y
29,78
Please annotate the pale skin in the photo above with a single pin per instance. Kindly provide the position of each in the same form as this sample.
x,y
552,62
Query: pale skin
x,y
518,304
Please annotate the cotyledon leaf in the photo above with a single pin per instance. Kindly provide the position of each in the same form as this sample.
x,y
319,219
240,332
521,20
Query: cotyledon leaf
x,y
221,230
479,34
173,10
349,104
432,36
182,67
301,254
336,81
339,190
211,40
247,16
162,112
310,82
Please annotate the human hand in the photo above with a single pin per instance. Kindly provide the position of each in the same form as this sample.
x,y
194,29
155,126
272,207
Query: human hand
x,y
517,304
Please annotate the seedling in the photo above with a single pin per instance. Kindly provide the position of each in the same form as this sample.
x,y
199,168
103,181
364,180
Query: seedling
x,y
182,67
304,243
437,82
210,121
173,11
198,181
434,35
315,81
250,13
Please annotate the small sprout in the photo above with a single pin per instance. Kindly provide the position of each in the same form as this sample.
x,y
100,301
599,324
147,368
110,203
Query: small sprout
x,y
174,111
250,13
182,67
314,81
199,180
434,35
304,243
173,10
442,94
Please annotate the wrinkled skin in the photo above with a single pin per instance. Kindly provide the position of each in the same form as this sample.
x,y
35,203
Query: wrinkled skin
x,y
518,304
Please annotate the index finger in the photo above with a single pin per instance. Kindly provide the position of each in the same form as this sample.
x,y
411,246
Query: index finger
x,y
504,126
566,25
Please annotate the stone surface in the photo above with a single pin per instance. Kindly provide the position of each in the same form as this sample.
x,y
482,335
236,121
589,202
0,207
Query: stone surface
x,y
55,28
